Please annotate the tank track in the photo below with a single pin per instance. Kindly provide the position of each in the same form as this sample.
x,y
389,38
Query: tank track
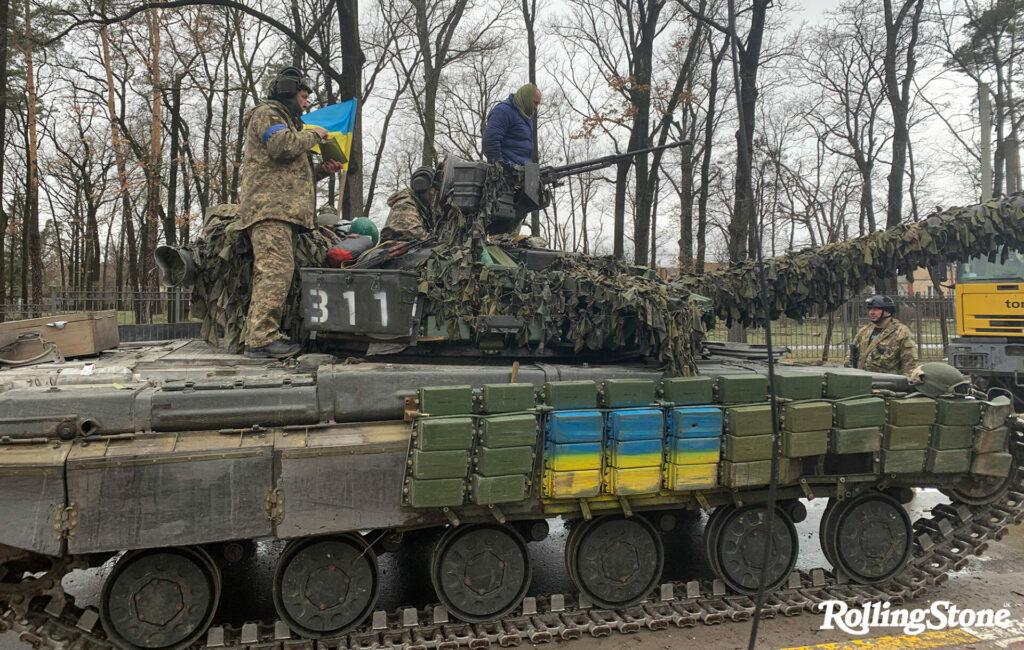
x,y
943,543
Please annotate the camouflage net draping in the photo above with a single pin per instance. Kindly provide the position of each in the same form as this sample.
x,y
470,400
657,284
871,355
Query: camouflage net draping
x,y
826,277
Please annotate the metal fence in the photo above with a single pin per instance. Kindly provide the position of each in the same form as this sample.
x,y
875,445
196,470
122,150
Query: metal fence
x,y
827,337
133,307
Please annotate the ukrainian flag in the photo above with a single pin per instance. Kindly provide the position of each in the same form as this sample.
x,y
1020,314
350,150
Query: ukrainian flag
x,y
339,120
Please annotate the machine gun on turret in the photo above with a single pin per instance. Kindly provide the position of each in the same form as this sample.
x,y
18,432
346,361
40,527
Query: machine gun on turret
x,y
529,185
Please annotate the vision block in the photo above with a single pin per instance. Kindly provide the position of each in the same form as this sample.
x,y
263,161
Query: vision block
x,y
903,461
749,420
572,485
506,398
498,489
747,448
688,390
914,437
634,453
508,430
575,426
619,393
439,464
993,464
504,460
636,424
693,451
695,422
910,411
580,394
797,444
633,481
839,385
691,477
807,416
444,434
862,412
954,411
990,440
445,400
951,436
573,457
797,385
436,493
856,441
734,389
948,461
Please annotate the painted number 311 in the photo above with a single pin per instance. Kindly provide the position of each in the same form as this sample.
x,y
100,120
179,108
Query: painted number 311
x,y
320,314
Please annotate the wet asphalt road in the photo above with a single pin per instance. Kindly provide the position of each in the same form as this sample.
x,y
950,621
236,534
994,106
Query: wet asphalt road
x,y
247,585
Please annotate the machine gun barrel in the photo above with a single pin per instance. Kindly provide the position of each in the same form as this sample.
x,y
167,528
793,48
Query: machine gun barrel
x,y
551,175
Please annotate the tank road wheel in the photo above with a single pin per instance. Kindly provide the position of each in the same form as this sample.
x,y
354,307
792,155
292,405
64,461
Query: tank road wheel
x,y
711,532
615,561
826,530
160,598
872,538
325,585
736,547
480,572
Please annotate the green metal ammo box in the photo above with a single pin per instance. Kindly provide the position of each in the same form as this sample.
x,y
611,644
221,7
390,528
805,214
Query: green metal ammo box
x,y
735,389
797,444
737,475
504,460
749,420
910,411
862,412
508,430
507,398
951,436
948,461
912,437
856,441
746,448
796,385
807,416
687,391
579,394
439,464
498,489
618,393
904,461
990,440
846,384
958,411
993,464
436,493
444,434
445,400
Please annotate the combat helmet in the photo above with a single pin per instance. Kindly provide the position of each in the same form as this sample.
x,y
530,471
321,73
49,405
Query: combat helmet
x,y
363,226
883,302
288,83
936,378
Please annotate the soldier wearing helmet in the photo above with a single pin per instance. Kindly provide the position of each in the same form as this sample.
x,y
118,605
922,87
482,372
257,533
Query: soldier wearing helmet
x,y
884,344
278,193
410,215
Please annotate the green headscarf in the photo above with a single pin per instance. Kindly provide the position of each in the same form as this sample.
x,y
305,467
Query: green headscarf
x,y
524,100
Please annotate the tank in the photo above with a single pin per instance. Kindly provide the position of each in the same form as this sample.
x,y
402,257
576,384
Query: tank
x,y
468,403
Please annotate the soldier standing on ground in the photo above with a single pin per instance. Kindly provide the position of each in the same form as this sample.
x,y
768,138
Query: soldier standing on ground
x,y
884,344
508,136
278,193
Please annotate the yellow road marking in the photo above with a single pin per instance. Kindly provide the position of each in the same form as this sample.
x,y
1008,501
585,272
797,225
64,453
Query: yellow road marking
x,y
930,639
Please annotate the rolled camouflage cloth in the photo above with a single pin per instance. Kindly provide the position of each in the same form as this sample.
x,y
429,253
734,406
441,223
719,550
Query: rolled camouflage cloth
x,y
220,296
825,277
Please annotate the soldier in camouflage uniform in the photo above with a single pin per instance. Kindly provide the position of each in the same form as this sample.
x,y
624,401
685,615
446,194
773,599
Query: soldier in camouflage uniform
x,y
278,194
884,344
409,218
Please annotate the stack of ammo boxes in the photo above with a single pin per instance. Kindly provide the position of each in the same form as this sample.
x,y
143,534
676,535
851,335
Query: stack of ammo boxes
x,y
635,428
693,434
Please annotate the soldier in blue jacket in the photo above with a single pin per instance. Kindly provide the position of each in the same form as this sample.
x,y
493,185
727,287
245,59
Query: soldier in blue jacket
x,y
508,136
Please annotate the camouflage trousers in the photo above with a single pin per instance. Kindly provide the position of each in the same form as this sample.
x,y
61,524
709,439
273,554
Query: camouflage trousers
x,y
273,244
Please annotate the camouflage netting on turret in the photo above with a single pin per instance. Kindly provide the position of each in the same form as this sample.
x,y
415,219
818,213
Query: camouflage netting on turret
x,y
825,277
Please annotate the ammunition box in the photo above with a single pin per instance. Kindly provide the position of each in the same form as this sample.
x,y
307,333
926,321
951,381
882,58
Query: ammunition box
x,y
638,480
688,390
797,444
839,385
740,449
572,485
896,438
958,411
734,389
693,451
445,400
618,393
857,413
634,453
950,436
793,384
498,489
504,460
807,416
436,493
749,420
992,464
701,422
508,430
948,461
635,424
439,464
856,441
691,477
990,440
737,475
581,394
570,458
575,426
995,412
444,434
910,411
506,398
903,461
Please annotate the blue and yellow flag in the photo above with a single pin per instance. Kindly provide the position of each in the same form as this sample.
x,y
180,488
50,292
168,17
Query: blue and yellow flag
x,y
339,120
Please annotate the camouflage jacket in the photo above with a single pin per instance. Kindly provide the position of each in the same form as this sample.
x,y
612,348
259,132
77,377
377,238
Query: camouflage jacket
x,y
405,221
893,350
277,168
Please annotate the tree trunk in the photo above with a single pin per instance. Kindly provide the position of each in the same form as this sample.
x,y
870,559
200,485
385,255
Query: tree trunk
x,y
4,217
32,180
352,60
151,220
170,231
529,8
